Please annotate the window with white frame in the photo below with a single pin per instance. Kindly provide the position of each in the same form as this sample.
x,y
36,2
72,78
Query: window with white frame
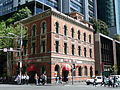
x,y
78,35
43,46
84,36
90,53
43,27
89,38
85,51
72,32
33,30
57,27
57,46
79,50
65,30
33,48
73,49
65,48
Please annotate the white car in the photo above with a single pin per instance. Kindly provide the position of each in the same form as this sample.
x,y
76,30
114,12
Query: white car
x,y
98,80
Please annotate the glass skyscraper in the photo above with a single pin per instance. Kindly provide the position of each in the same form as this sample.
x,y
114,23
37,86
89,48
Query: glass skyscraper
x,y
108,11
85,7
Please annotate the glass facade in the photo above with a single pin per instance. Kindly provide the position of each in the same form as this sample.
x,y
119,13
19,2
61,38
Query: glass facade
x,y
108,11
85,7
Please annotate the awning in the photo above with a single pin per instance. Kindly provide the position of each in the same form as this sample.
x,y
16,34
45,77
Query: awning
x,y
31,68
66,67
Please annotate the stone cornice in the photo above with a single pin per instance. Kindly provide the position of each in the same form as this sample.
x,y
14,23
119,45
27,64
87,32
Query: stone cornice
x,y
58,14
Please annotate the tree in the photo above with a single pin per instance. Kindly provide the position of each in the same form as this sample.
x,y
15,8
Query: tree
x,y
21,14
5,41
115,68
117,37
100,26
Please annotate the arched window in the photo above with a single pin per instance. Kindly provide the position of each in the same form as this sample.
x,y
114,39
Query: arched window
x,y
72,32
34,30
80,71
57,27
85,71
43,27
89,38
78,35
65,30
84,36
91,71
57,69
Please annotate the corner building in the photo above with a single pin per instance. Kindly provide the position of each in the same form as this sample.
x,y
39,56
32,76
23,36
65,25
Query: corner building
x,y
56,44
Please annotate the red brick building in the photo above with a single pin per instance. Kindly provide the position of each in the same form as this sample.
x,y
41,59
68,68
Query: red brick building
x,y
56,44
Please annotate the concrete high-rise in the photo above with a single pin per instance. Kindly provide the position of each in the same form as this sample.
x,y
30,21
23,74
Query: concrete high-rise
x,y
85,7
108,11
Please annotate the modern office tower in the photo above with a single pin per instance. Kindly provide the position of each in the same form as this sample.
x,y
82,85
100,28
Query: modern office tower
x,y
86,7
108,11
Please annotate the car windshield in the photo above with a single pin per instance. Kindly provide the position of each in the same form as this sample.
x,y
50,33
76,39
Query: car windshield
x,y
98,77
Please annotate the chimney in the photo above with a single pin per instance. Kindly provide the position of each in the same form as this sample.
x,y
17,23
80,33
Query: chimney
x,y
77,16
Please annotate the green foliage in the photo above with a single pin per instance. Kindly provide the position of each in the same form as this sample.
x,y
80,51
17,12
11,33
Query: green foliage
x,y
115,68
100,26
5,41
117,37
21,14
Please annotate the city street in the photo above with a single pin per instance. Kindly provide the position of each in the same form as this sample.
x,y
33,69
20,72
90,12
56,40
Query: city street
x,y
55,87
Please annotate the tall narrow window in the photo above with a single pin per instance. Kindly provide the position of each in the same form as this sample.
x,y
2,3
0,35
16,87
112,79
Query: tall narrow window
x,y
85,52
72,33
89,38
25,50
43,27
78,35
79,50
91,53
57,27
65,48
65,30
34,30
73,50
33,48
84,36
57,46
43,46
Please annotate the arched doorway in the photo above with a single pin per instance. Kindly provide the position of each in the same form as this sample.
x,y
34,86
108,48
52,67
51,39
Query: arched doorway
x,y
57,69
80,71
91,71
65,71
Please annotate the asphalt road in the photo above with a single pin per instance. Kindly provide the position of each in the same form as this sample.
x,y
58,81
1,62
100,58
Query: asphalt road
x,y
55,87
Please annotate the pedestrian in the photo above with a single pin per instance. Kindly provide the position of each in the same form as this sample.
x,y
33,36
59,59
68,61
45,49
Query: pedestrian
x,y
114,81
36,77
94,83
60,80
27,79
18,79
56,79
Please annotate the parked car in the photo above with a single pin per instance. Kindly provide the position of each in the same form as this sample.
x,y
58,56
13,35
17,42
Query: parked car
x,y
97,79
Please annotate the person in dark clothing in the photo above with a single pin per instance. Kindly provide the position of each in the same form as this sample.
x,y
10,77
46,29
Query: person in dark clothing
x,y
94,83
